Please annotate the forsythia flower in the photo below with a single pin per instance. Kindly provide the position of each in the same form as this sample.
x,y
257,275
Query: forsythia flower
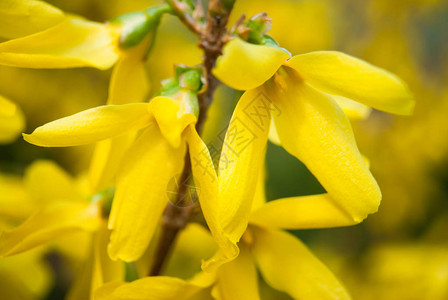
x,y
285,263
59,209
297,95
45,37
193,244
153,161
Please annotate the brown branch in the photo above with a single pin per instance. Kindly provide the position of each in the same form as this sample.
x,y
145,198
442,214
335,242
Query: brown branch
x,y
176,217
180,9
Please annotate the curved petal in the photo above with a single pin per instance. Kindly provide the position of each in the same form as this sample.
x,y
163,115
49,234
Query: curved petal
x,y
72,43
24,17
141,193
245,66
91,125
316,211
129,82
237,279
314,129
12,121
273,134
206,179
260,192
241,159
106,160
172,118
287,265
97,269
340,74
52,222
156,287
353,110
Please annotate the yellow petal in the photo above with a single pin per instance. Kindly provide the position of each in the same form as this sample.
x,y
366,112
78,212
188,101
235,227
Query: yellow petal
x,y
72,43
273,134
287,265
156,287
52,222
245,66
206,179
106,159
340,74
237,279
141,194
260,193
12,121
129,82
313,128
49,183
24,17
241,159
354,110
91,125
172,118
316,211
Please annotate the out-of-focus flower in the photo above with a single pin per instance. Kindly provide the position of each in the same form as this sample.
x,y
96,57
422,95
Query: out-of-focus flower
x,y
59,210
403,271
12,121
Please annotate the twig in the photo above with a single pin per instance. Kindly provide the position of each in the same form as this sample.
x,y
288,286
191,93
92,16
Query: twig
x,y
180,10
213,37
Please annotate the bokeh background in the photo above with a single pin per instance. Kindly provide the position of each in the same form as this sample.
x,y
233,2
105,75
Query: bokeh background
x,y
399,253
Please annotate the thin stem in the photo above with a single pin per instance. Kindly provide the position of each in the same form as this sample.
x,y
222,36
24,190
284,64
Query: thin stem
x,y
176,217
184,17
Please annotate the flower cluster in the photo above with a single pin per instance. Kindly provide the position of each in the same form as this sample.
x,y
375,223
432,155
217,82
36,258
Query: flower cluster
x,y
148,153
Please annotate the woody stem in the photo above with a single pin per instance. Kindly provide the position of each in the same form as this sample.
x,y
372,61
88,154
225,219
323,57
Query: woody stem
x,y
212,38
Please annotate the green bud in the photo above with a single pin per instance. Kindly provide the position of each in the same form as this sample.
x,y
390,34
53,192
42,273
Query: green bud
x,y
137,25
169,87
190,101
191,80
259,25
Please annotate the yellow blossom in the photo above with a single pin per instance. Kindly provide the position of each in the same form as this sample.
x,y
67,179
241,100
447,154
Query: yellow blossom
x,y
297,95
60,211
155,158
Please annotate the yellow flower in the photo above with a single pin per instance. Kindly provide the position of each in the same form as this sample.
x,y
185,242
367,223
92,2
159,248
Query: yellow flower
x,y
12,121
57,208
285,263
52,39
154,160
297,95
182,278
49,38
